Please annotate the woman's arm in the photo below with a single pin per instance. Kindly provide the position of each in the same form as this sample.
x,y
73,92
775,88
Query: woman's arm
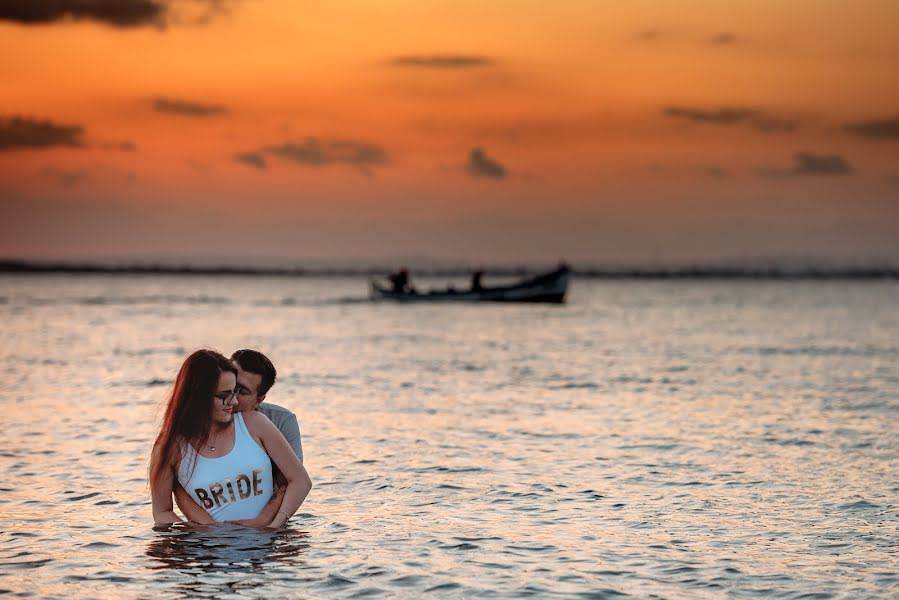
x,y
298,482
190,509
161,492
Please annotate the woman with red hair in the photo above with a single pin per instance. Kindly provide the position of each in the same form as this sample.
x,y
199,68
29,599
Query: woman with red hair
x,y
222,458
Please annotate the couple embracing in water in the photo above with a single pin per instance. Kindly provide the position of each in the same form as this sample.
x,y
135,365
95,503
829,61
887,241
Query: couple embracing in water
x,y
221,452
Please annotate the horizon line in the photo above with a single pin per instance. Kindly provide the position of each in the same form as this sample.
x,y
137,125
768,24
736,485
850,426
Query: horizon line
x,y
683,270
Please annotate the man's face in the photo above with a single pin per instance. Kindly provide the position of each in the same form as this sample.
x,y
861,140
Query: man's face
x,y
248,397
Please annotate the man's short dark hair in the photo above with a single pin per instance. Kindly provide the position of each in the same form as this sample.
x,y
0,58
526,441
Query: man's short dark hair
x,y
258,363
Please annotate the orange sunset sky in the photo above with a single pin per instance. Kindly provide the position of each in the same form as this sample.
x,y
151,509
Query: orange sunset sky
x,y
618,131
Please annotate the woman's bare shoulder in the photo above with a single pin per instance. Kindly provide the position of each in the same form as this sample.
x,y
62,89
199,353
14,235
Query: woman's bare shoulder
x,y
255,420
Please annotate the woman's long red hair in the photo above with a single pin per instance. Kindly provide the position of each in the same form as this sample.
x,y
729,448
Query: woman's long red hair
x,y
188,415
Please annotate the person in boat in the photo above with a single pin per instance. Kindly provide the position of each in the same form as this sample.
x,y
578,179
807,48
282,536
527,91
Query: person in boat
x,y
255,377
400,282
476,280
222,458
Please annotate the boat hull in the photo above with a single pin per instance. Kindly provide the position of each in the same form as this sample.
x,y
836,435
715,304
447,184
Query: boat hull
x,y
547,288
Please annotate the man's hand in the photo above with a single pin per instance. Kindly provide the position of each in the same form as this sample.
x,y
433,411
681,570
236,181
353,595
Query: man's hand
x,y
268,513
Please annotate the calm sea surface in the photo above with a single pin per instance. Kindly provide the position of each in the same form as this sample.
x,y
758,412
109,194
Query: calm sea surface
x,y
676,439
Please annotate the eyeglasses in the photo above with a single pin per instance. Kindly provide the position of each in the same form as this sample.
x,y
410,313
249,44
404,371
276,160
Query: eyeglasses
x,y
226,397
242,391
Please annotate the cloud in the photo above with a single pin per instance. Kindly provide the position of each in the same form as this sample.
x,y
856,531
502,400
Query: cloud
x,y
808,164
886,128
441,61
721,116
18,133
725,38
114,13
650,35
721,38
318,153
756,119
820,164
254,159
481,165
187,108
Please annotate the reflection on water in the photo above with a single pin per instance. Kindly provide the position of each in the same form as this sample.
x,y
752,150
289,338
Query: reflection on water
x,y
238,557
224,548
675,439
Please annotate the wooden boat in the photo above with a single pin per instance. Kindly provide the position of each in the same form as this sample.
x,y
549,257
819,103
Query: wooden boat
x,y
547,287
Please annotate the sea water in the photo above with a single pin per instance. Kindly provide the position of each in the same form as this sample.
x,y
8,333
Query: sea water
x,y
676,439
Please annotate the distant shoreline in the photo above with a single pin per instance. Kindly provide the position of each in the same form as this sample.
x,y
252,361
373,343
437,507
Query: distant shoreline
x,y
669,272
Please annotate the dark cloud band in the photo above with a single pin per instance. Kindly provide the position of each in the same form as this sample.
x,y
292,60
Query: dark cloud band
x,y
876,129
117,13
754,118
441,61
122,14
187,108
481,165
253,159
810,164
807,163
313,152
20,133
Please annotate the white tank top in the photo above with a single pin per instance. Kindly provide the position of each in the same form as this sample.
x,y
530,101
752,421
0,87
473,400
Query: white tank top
x,y
235,486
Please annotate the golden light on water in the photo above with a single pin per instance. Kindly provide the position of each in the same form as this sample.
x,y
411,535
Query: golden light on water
x,y
681,437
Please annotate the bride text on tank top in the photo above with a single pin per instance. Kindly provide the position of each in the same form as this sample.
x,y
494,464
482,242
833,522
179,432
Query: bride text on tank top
x,y
235,486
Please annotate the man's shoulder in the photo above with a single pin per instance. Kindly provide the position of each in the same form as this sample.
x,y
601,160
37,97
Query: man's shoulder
x,y
274,412
287,423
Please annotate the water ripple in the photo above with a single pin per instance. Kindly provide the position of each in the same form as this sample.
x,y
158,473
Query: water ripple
x,y
675,440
